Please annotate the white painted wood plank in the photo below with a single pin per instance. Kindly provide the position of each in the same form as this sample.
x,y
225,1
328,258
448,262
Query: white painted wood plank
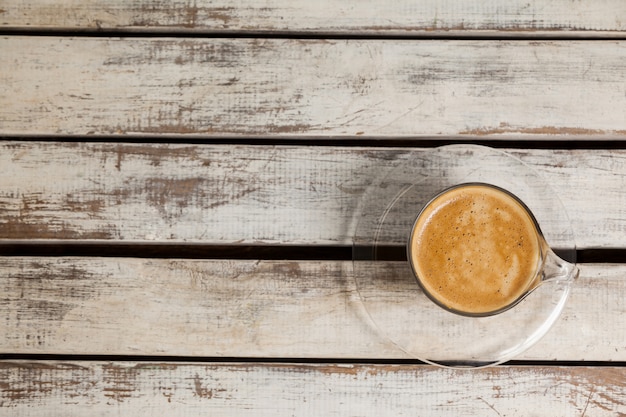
x,y
312,88
229,308
424,17
245,389
223,194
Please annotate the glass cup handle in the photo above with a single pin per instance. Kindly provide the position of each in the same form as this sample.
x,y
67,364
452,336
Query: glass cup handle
x,y
556,269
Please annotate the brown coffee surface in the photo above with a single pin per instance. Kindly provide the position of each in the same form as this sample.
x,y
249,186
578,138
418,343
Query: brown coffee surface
x,y
475,249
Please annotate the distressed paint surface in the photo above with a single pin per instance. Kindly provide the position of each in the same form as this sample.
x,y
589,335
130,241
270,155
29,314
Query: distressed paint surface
x,y
404,17
172,88
181,389
313,88
229,308
225,194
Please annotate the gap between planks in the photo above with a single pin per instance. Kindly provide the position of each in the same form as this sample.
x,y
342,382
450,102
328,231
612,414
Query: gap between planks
x,y
259,252
312,35
382,143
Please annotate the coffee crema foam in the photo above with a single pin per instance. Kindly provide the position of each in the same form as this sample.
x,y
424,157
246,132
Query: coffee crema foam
x,y
475,249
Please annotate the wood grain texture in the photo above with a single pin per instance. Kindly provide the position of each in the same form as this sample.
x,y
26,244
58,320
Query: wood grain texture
x,y
398,17
279,309
244,389
222,194
313,88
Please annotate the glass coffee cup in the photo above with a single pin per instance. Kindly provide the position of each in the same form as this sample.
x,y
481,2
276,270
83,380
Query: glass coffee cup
x,y
477,250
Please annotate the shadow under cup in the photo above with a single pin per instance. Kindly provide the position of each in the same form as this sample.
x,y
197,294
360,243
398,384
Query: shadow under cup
x,y
476,250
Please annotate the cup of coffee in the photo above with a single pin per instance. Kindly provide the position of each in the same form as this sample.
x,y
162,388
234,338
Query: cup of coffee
x,y
477,250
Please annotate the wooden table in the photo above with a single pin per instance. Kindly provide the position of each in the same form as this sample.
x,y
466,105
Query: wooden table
x,y
179,182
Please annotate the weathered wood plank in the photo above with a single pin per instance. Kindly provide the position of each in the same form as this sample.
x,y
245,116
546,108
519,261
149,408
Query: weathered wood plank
x,y
222,194
312,88
245,389
398,17
248,309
